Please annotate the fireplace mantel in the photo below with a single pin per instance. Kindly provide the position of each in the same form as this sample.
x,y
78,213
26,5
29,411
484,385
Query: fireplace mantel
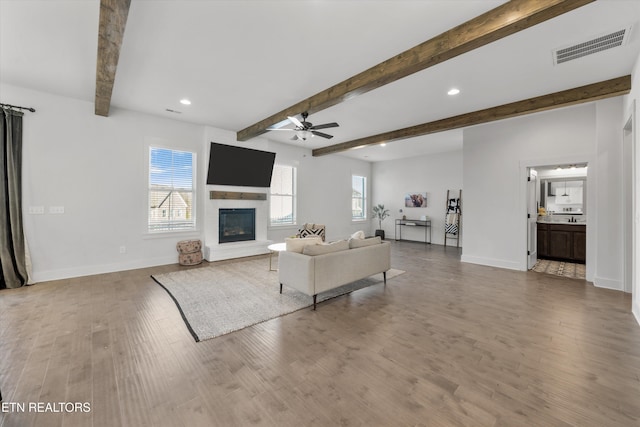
x,y
236,195
216,251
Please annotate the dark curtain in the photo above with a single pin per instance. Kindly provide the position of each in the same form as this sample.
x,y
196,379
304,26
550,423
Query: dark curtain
x,y
13,270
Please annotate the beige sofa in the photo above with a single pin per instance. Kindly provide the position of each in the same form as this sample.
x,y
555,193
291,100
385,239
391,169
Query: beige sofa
x,y
322,267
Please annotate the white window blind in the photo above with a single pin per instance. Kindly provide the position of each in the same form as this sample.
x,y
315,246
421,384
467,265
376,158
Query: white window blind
x,y
283,195
358,197
171,192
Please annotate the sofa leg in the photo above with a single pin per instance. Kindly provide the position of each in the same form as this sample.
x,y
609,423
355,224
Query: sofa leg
x,y
314,301
280,287
384,274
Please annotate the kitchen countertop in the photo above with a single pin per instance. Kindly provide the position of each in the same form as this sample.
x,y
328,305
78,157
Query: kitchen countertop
x,y
563,221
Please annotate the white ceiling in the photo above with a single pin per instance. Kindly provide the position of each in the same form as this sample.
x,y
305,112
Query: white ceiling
x,y
241,61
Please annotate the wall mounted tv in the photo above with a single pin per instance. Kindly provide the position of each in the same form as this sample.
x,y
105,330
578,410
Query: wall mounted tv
x,y
245,167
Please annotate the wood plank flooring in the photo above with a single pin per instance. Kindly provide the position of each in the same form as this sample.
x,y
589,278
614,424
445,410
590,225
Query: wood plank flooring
x,y
445,344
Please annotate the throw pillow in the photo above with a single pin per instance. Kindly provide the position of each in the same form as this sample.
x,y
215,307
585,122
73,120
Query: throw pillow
x,y
357,243
295,244
358,235
313,250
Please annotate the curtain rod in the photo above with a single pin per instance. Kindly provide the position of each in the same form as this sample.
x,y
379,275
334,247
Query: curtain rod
x,y
33,110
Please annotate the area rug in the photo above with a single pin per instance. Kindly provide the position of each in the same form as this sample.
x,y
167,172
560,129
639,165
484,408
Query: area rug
x,y
559,268
227,297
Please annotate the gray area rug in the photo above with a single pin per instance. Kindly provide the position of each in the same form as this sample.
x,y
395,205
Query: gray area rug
x,y
230,296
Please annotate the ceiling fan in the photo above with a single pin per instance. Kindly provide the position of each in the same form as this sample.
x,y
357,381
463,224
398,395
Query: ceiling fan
x,y
305,130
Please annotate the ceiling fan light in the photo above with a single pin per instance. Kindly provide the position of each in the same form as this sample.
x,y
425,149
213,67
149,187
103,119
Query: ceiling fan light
x,y
304,134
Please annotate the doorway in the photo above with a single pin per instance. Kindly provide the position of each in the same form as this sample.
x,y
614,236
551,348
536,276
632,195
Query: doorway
x,y
557,219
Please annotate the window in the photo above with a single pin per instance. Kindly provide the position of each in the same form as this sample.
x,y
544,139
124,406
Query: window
x,y
283,195
359,198
171,195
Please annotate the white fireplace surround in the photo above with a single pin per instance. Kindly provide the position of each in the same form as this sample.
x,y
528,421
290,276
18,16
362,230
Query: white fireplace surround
x,y
215,251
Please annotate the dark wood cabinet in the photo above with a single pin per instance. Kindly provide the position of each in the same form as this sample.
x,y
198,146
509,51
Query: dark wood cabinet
x,y
559,243
543,240
562,242
580,245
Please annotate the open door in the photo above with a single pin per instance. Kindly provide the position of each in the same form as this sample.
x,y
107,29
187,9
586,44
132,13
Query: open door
x,y
532,218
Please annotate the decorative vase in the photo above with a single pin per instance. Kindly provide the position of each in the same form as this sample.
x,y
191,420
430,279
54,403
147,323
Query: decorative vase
x,y
380,233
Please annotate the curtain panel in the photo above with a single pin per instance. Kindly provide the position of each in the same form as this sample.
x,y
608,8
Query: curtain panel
x,y
13,267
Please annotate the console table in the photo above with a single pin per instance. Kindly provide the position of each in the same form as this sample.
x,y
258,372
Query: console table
x,y
413,223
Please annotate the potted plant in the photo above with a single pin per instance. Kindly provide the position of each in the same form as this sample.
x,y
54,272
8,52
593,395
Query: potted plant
x,y
380,213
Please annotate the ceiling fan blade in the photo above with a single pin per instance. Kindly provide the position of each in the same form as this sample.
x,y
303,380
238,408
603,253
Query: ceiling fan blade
x,y
295,121
323,135
325,126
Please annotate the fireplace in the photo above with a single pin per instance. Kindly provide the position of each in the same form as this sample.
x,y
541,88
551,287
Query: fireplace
x,y
236,225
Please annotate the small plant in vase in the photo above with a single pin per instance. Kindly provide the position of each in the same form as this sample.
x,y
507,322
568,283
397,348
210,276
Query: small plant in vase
x,y
380,213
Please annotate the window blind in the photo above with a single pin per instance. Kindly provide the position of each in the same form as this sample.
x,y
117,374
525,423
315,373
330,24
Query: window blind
x,y
171,195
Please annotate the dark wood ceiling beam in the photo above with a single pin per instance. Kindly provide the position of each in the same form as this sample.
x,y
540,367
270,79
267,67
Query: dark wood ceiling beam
x,y
113,19
507,19
593,92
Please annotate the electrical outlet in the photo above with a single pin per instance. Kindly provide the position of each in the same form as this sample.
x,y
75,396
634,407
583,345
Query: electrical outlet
x,y
123,249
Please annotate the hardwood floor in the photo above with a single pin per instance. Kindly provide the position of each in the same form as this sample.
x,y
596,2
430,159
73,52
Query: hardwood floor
x,y
446,343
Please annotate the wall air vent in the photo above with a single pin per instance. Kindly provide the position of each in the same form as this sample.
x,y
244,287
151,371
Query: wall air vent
x,y
595,45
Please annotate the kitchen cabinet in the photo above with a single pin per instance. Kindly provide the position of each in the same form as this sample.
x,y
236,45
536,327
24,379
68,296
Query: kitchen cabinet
x,y
543,240
580,244
562,242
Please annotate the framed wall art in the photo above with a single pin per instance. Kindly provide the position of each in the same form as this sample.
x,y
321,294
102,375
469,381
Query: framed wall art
x,y
415,200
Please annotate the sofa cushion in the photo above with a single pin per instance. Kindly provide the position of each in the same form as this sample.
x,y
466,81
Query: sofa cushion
x,y
361,243
312,250
296,244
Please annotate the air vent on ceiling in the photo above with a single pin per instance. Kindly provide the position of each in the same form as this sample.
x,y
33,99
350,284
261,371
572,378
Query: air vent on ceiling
x,y
597,44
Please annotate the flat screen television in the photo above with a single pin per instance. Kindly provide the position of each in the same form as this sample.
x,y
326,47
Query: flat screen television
x,y
245,167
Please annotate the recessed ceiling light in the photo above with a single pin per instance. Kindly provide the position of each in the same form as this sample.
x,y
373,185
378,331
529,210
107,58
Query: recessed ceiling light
x,y
384,144
453,91
185,101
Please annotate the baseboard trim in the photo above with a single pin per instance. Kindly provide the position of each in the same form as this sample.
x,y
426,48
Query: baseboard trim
x,y
68,273
635,309
602,282
492,262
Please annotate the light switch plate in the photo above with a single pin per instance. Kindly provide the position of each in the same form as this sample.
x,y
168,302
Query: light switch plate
x,y
56,209
36,210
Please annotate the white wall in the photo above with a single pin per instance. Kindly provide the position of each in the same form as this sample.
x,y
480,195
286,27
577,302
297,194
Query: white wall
x,y
96,167
435,174
496,156
609,195
629,111
324,194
